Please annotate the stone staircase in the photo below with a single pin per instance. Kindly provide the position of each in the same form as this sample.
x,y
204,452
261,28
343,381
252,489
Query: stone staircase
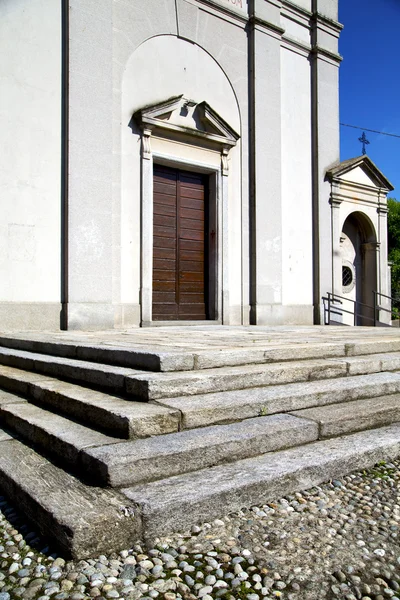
x,y
105,444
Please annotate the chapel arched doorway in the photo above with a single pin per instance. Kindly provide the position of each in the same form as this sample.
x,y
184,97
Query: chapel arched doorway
x,y
358,247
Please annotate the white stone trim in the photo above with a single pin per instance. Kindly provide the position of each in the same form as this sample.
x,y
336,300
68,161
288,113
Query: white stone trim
x,y
221,200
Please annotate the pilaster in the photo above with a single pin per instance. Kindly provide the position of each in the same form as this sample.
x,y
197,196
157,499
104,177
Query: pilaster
x,y
325,61
265,163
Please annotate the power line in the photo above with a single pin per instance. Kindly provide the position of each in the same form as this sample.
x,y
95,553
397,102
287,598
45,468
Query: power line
x,y
371,130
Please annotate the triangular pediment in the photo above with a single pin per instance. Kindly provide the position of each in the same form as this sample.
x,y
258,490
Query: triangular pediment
x,y
187,117
360,170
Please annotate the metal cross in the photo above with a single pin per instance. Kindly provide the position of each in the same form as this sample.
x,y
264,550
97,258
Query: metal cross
x,y
364,141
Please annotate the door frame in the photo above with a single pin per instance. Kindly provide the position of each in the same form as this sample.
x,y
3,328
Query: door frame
x,y
218,192
209,227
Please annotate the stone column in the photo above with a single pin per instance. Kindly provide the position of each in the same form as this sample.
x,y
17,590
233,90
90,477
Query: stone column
x,y
336,231
384,285
265,161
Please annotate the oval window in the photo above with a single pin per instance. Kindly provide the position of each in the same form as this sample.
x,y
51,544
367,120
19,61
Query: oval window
x,y
347,276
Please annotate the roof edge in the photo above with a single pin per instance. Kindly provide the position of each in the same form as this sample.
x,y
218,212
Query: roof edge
x,y
345,166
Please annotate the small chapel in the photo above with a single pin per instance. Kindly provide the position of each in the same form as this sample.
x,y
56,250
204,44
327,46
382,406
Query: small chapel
x,y
177,161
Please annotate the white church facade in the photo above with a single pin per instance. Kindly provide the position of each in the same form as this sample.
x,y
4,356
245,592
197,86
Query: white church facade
x,y
169,161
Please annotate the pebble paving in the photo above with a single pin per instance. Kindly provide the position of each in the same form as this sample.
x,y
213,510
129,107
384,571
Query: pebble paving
x,y
335,541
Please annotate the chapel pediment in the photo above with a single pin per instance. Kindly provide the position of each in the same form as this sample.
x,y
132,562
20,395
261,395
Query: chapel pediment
x,y
360,170
187,117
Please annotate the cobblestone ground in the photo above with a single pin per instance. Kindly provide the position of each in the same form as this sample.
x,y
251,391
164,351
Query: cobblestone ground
x,y
338,540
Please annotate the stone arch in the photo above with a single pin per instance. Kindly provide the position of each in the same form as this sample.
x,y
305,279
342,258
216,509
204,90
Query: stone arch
x,y
160,68
359,247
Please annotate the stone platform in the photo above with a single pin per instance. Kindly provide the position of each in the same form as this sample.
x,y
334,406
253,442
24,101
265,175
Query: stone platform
x,y
109,437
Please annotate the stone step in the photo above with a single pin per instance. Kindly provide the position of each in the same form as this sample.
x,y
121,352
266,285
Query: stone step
x,y
339,419
158,386
82,520
111,354
120,417
174,504
86,521
133,353
147,386
127,463
207,409
57,436
89,373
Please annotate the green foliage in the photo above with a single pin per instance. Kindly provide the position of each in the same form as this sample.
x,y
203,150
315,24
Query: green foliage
x,y
394,248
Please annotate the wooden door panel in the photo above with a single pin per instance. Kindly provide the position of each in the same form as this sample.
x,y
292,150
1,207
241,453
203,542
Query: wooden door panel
x,y
192,234
164,297
192,203
162,263
179,254
165,286
167,210
189,213
192,245
164,253
187,224
165,232
189,266
165,243
192,193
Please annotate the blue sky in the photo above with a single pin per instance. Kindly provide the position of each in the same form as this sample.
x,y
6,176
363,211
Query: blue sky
x,y
370,82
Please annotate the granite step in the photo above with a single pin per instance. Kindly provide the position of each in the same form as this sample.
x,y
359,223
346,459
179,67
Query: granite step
x,y
86,520
146,386
82,520
158,386
175,503
126,354
109,413
206,409
339,419
59,437
128,463
88,373
112,354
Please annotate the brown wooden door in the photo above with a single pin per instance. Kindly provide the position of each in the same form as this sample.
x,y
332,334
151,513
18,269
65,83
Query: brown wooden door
x,y
179,245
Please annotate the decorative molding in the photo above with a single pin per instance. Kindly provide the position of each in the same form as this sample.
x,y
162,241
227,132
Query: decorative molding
x,y
303,12
295,46
336,171
318,19
224,162
318,52
146,145
162,118
266,26
228,12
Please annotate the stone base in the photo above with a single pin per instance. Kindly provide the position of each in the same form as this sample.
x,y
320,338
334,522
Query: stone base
x,y
87,316
30,316
277,314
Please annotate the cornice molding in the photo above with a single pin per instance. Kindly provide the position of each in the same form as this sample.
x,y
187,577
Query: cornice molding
x,y
257,22
319,52
320,19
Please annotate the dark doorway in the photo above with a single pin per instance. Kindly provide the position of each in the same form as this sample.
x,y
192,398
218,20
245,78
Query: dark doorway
x,y
180,245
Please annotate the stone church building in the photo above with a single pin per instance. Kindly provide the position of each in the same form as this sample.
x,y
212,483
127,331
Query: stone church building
x,y
169,161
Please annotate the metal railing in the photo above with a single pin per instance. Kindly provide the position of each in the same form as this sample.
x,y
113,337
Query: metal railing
x,y
333,306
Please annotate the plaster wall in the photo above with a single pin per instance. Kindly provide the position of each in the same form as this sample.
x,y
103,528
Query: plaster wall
x,y
357,175
30,176
198,76
297,282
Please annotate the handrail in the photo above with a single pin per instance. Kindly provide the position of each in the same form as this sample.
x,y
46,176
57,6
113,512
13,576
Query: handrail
x,y
334,299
